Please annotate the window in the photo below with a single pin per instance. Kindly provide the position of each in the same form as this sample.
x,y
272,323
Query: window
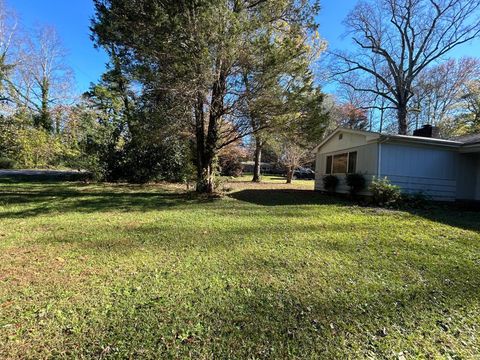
x,y
328,170
345,163
340,163
352,162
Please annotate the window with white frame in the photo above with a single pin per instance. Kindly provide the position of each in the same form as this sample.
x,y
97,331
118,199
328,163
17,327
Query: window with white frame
x,y
344,163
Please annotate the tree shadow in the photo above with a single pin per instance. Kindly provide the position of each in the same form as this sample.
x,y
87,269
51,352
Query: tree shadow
x,y
47,177
64,199
451,215
262,313
353,296
466,218
280,197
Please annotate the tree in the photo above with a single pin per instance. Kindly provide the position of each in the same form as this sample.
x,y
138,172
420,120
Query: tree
x,y
8,56
45,65
192,52
469,121
352,117
297,136
439,92
270,75
398,40
292,156
231,156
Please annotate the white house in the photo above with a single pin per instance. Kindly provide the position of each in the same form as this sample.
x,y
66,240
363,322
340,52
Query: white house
x,y
445,170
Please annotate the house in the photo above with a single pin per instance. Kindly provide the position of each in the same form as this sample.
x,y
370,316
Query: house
x,y
445,170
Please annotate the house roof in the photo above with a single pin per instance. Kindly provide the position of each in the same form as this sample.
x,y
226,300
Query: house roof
x,y
468,139
421,140
379,137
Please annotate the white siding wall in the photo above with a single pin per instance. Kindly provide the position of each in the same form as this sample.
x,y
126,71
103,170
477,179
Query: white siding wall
x,y
431,171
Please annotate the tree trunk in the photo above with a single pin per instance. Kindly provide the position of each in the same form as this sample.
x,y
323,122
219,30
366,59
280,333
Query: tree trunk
x,y
200,141
402,119
289,174
205,183
45,118
258,159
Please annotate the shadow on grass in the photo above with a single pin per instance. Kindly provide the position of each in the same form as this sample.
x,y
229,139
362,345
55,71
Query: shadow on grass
x,y
64,199
47,177
54,197
446,214
281,197
350,299
452,216
355,312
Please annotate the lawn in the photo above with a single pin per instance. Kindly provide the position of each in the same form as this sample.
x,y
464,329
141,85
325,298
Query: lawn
x,y
117,271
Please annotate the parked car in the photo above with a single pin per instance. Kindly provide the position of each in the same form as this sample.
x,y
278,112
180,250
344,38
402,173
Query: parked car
x,y
304,173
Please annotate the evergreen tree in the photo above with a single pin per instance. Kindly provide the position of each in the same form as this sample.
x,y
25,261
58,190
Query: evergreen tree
x,y
192,56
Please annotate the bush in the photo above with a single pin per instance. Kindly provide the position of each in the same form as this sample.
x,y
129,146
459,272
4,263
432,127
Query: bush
x,y
384,193
330,182
230,167
6,163
356,183
415,200
144,162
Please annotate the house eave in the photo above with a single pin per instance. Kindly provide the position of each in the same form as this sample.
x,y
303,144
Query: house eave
x,y
420,140
374,137
371,136
470,148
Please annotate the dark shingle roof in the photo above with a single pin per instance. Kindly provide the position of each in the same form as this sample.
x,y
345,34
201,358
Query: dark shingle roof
x,y
468,139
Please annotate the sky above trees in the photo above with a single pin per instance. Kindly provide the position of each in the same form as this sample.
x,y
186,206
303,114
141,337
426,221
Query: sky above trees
x,y
72,19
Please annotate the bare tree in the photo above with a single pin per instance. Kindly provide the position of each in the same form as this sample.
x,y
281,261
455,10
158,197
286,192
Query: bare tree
x,y
397,40
46,79
440,89
292,155
8,36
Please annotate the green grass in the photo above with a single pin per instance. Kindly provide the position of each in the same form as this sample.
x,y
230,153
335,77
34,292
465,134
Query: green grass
x,y
99,271
272,179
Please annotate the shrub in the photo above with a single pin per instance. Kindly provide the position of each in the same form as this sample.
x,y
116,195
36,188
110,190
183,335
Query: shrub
x,y
384,193
230,166
330,182
6,163
356,183
415,200
143,162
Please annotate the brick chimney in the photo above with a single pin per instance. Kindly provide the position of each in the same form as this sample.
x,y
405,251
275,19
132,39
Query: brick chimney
x,y
428,131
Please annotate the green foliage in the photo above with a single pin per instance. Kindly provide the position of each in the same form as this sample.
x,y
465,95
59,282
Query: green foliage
x,y
248,67
356,182
30,147
385,193
6,163
38,148
415,200
152,162
330,182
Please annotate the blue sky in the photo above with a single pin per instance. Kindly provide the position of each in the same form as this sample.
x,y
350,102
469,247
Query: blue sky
x,y
72,19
